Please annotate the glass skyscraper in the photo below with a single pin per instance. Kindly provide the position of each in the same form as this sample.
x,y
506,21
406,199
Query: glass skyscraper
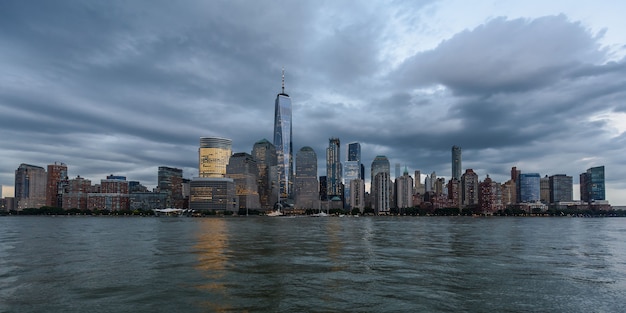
x,y
592,185
529,187
282,141
307,187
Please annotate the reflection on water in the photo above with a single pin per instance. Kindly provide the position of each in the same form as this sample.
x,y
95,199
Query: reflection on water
x,y
210,247
260,264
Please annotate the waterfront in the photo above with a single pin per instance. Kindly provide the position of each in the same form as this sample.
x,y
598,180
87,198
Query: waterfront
x,y
303,264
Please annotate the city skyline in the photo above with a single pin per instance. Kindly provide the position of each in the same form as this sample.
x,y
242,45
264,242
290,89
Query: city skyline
x,y
95,87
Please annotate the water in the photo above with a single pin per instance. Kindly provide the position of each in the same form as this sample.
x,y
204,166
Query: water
x,y
264,264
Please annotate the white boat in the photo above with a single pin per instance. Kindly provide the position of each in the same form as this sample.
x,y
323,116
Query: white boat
x,y
275,213
320,214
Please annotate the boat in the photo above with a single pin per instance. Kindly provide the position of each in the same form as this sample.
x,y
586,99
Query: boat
x,y
320,214
275,213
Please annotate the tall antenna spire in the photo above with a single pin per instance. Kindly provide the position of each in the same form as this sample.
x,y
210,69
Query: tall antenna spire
x,y
283,80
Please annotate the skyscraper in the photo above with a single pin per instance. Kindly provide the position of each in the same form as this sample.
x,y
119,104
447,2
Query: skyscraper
x,y
404,190
30,186
264,152
170,181
561,188
456,162
354,152
381,184
242,168
213,155
282,141
307,187
592,185
57,175
529,187
469,188
333,167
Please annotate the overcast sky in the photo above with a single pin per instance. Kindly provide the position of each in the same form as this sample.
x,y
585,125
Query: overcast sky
x,y
122,87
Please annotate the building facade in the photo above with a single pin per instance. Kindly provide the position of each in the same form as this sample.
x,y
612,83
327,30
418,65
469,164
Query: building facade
x,y
242,168
457,166
333,168
76,194
30,186
307,186
404,191
56,180
170,182
213,156
282,141
357,194
213,194
114,195
381,192
264,152
592,186
469,188
529,187
561,188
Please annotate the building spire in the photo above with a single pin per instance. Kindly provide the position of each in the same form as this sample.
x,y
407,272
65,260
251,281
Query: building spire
x,y
283,90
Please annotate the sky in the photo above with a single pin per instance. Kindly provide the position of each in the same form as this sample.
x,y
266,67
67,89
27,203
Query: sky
x,y
123,87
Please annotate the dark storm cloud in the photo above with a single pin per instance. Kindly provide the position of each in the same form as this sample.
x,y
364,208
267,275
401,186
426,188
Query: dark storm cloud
x,y
123,87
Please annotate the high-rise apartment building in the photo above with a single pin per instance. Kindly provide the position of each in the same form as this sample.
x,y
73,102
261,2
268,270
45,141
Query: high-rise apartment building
x,y
242,168
333,168
561,188
77,194
592,186
307,187
282,141
114,195
457,166
404,190
357,194
469,188
264,152
170,181
489,197
30,186
57,176
381,184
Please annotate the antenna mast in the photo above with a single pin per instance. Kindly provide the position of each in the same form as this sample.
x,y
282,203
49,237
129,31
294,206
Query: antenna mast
x,y
283,80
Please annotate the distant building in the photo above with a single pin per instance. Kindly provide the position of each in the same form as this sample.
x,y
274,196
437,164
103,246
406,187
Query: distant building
x,y
323,189
381,192
397,171
333,168
242,168
213,194
561,188
489,197
509,193
456,162
354,152
544,189
307,187
592,186
351,171
30,186
454,193
76,194
170,182
283,141
114,195
213,156
147,200
264,154
529,187
56,180
419,187
469,188
404,191
357,194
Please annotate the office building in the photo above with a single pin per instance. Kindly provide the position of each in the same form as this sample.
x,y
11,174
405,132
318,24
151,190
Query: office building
x,y
561,188
357,194
213,156
592,186
323,189
264,153
544,189
419,187
170,182
242,168
529,187
307,186
380,164
457,166
333,168
282,141
30,186
213,194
